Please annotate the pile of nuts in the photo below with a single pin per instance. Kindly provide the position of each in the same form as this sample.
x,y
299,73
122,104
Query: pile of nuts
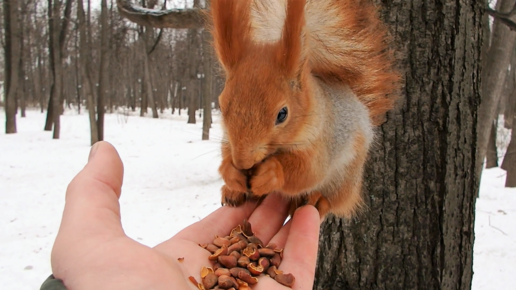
x,y
239,259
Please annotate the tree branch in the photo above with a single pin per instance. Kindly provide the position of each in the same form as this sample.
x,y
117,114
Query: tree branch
x,y
170,18
504,17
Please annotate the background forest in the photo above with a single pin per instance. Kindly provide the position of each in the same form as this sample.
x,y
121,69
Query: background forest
x,y
99,60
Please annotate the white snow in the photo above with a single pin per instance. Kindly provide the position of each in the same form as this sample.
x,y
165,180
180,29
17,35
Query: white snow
x,y
171,180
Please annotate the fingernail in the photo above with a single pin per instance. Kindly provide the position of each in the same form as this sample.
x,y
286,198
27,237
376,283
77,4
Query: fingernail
x,y
93,150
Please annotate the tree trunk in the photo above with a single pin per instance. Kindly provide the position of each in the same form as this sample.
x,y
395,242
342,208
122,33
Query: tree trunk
x,y
492,151
175,97
54,10
22,92
191,107
420,183
103,72
509,160
147,77
57,34
143,98
12,59
207,85
493,79
86,84
50,108
509,92
509,112
192,73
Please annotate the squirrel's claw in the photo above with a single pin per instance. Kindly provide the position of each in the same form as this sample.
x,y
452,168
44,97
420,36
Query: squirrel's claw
x,y
232,198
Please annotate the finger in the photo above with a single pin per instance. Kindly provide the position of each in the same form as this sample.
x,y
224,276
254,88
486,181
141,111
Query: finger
x,y
219,223
269,217
280,239
300,252
92,206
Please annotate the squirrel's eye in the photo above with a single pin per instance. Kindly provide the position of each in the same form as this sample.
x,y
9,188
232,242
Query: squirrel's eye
x,y
282,115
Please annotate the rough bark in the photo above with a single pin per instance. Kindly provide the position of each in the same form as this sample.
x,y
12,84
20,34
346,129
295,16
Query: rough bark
x,y
493,79
12,59
86,84
420,183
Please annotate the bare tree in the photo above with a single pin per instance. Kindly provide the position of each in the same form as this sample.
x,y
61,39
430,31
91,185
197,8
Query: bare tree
x,y
58,29
12,60
146,37
86,83
208,87
103,69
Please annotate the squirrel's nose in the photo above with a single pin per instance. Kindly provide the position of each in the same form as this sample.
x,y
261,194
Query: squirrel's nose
x,y
243,164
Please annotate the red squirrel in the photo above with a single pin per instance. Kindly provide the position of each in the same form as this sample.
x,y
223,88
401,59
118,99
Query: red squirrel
x,y
306,82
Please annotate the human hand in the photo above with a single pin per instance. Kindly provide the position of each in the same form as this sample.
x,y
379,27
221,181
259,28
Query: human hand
x,y
91,250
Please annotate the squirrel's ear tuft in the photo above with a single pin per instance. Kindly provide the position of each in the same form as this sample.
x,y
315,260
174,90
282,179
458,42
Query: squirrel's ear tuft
x,y
292,46
231,30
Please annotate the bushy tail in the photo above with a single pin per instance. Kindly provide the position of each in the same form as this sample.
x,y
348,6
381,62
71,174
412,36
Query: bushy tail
x,y
347,43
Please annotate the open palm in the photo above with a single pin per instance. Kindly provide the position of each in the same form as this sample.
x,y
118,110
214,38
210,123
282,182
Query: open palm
x,y
92,251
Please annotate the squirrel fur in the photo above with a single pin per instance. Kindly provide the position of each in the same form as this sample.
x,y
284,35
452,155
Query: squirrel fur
x,y
306,83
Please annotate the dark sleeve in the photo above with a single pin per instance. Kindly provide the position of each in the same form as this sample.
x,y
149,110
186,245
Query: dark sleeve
x,y
53,284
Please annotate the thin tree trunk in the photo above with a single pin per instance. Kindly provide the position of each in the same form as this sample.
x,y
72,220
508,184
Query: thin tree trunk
x,y
12,58
509,160
181,98
143,98
86,84
40,77
416,231
192,81
509,114
103,72
207,85
510,93
22,90
191,107
492,151
148,83
50,108
57,67
175,98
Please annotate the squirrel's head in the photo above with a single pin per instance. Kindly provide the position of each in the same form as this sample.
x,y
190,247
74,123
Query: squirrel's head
x,y
265,104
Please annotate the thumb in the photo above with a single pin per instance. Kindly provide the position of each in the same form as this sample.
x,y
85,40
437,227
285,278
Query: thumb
x,y
92,207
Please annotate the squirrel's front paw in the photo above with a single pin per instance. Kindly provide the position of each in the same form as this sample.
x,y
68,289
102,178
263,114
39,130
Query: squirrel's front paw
x,y
235,179
231,197
235,190
267,177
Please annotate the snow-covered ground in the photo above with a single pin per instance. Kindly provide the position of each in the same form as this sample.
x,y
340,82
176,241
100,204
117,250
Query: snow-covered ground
x,y
171,180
